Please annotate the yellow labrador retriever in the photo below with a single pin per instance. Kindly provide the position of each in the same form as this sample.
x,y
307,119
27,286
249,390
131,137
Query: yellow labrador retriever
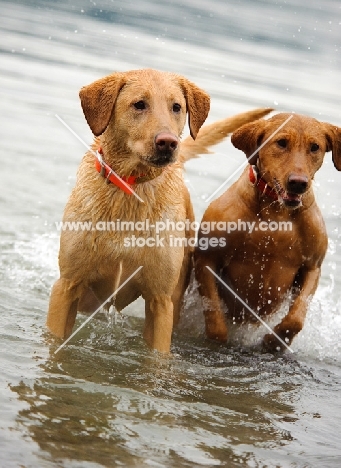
x,y
136,180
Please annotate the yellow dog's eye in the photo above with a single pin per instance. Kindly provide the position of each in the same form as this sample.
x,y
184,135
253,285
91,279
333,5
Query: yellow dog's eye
x,y
140,105
176,107
283,143
314,147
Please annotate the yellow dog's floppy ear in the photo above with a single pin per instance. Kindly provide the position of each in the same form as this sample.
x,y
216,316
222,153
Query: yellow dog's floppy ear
x,y
333,137
98,99
249,137
198,105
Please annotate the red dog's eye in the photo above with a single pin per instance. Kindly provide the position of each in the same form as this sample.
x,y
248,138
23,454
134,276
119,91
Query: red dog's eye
x,y
283,143
314,147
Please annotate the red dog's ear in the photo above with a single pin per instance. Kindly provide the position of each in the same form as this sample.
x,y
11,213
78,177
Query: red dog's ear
x,y
249,137
198,105
333,137
98,101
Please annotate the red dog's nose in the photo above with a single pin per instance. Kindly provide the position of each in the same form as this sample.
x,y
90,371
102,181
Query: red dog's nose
x,y
297,184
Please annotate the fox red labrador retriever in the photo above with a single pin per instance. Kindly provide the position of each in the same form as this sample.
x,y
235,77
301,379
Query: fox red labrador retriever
x,y
262,263
136,177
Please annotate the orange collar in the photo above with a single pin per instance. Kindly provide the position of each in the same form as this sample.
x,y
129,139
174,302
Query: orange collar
x,y
124,183
260,183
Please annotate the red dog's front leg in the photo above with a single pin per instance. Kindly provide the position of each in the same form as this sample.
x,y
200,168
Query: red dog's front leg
x,y
293,322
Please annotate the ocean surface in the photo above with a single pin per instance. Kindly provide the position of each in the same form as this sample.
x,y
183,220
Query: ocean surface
x,y
105,400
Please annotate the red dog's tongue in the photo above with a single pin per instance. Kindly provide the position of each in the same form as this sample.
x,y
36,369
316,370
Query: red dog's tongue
x,y
291,196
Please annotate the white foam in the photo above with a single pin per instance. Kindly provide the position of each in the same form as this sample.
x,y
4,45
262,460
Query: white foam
x,y
319,339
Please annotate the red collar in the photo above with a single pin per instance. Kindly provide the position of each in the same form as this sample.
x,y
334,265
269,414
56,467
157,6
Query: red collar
x,y
124,183
260,183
